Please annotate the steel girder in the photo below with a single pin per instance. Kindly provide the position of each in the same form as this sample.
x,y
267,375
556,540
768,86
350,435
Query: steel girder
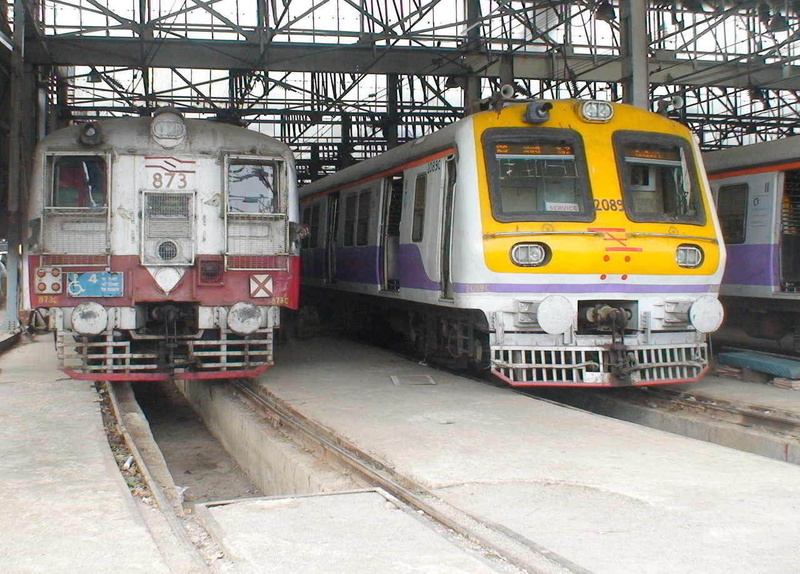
x,y
354,76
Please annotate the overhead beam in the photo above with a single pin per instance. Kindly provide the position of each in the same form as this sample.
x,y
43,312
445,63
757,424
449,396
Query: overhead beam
x,y
665,67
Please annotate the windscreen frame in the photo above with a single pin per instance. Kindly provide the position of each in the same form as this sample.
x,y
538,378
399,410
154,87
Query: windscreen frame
x,y
624,137
536,136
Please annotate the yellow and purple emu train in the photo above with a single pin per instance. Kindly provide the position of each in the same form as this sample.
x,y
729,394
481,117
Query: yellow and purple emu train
x,y
564,243
162,247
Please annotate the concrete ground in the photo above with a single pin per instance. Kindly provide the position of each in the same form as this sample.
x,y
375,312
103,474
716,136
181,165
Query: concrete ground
x,y
65,506
364,531
598,494
606,495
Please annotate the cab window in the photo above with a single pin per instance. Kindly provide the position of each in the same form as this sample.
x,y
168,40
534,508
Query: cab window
x,y
79,181
252,188
537,175
658,178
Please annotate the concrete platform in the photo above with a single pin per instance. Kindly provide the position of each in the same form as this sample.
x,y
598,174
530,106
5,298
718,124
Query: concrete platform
x,y
367,531
601,494
65,506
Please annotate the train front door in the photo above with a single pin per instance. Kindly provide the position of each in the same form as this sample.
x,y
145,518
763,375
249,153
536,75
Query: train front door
x,y
790,232
449,189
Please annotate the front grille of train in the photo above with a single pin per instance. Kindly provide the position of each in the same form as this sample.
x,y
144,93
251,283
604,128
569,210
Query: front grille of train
x,y
168,237
652,364
105,354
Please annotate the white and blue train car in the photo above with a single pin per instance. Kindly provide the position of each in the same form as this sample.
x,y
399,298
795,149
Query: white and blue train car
x,y
757,190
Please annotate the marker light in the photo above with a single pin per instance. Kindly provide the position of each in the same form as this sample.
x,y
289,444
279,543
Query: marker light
x,y
594,111
689,256
530,254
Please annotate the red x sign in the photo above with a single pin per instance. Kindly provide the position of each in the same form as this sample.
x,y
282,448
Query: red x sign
x,y
260,286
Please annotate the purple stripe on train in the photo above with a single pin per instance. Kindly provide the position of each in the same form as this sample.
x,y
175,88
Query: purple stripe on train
x,y
751,265
363,265
577,288
358,265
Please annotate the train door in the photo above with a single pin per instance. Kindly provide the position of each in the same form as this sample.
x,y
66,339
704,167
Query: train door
x,y
332,232
390,231
449,187
790,232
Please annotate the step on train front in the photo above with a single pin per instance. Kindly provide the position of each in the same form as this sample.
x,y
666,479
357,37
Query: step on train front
x,y
161,247
560,243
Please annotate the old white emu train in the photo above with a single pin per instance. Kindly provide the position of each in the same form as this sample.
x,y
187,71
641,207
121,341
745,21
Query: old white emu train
x,y
557,243
758,199
162,247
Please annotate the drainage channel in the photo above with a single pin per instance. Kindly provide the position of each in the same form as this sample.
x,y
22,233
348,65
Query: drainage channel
x,y
201,468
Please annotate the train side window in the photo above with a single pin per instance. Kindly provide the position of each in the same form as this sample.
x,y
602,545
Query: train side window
x,y
350,205
313,227
658,177
252,187
362,225
79,181
732,211
418,219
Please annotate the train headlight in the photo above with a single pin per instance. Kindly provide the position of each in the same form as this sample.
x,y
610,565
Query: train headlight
x,y
706,314
594,111
555,314
244,318
689,256
89,318
530,254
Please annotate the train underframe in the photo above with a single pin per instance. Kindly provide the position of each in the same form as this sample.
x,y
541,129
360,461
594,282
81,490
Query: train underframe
x,y
464,339
762,324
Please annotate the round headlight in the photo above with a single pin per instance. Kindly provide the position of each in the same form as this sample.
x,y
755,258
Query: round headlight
x,y
555,314
244,318
89,318
530,254
706,314
689,256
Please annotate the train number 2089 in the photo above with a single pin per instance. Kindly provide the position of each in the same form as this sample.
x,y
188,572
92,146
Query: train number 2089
x,y
609,205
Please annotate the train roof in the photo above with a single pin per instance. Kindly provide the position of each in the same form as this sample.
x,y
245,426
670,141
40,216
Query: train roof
x,y
132,135
399,155
748,156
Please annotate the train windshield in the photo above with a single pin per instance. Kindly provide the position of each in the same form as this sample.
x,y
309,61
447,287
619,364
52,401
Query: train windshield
x,y
252,187
659,179
79,181
537,175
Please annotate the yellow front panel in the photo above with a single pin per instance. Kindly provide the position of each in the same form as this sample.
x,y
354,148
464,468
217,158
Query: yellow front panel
x,y
612,249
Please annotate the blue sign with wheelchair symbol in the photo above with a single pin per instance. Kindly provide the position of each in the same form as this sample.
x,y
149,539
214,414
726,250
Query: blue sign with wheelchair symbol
x,y
95,284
